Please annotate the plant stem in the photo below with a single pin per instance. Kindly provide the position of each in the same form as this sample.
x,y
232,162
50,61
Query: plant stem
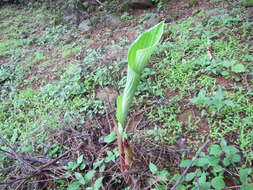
x,y
121,152
122,161
237,186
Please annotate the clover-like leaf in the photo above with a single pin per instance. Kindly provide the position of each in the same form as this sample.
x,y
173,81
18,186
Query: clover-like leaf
x,y
153,168
218,183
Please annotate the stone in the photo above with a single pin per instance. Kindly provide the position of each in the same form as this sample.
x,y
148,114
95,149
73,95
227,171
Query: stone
x,y
107,95
152,21
84,26
223,29
69,18
112,21
141,4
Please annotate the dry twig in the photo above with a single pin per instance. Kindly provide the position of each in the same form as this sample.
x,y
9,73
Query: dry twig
x,y
14,154
188,167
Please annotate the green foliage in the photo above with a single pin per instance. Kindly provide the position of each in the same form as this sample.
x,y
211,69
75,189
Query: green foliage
x,y
75,169
79,170
71,51
7,47
211,169
159,3
161,175
217,101
193,2
110,138
167,116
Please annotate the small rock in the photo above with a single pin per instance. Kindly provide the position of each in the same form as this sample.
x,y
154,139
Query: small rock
x,y
212,13
223,29
107,96
223,16
112,21
84,26
114,54
152,21
69,18
141,4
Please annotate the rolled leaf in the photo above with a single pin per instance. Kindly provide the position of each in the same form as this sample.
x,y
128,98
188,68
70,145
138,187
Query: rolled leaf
x,y
138,56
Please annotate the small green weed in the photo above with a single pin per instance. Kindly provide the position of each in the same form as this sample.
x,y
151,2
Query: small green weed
x,y
71,51
211,169
7,47
83,176
160,178
217,101
38,57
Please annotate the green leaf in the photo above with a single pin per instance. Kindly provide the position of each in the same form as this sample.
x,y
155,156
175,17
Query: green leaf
x,y
181,187
102,168
80,178
80,159
98,163
226,161
217,169
89,175
164,174
227,63
71,166
138,56
235,158
223,143
229,103
27,148
230,150
110,156
82,166
244,173
98,183
110,138
249,1
185,163
238,68
153,168
213,160
74,186
225,73
219,94
161,187
246,187
201,162
202,179
218,183
215,150
190,176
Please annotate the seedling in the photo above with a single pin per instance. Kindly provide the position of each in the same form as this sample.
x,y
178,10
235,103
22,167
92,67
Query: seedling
x,y
138,56
217,101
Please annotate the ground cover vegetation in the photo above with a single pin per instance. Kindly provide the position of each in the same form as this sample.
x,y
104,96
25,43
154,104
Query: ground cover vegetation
x,y
190,124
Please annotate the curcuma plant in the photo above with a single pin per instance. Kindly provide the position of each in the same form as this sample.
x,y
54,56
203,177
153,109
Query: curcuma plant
x,y
138,56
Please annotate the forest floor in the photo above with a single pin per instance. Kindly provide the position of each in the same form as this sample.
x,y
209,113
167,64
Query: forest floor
x,y
59,84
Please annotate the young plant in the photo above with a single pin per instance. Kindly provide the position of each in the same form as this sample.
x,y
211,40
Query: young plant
x,y
217,101
211,169
138,56
76,170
